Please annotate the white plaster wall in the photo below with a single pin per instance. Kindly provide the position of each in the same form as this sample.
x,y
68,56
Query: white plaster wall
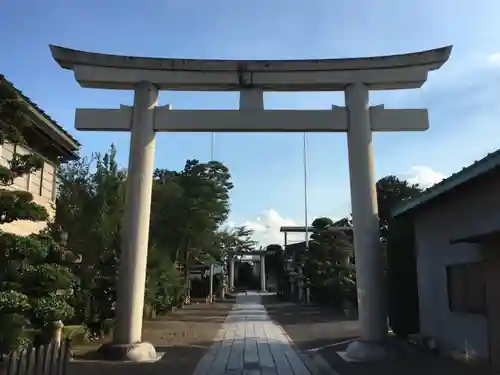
x,y
470,211
42,184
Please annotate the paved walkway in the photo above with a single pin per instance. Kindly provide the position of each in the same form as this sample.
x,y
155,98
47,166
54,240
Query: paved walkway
x,y
250,343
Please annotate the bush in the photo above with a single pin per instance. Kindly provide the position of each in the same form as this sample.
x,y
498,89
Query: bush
x,y
13,307
51,309
12,302
41,278
13,334
164,288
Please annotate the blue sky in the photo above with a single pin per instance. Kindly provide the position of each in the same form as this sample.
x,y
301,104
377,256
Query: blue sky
x,y
462,97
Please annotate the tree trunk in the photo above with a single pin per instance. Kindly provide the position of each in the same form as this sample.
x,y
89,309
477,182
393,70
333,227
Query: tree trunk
x,y
178,251
187,293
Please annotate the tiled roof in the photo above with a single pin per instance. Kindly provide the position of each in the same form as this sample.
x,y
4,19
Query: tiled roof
x,y
38,109
480,167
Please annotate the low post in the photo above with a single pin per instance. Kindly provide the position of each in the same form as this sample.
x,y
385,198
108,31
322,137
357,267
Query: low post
x,y
211,286
57,332
301,289
188,294
231,273
222,290
308,292
263,273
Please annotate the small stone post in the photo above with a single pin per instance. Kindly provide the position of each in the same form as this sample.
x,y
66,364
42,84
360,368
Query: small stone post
x,y
57,332
308,292
301,289
263,286
231,273
211,285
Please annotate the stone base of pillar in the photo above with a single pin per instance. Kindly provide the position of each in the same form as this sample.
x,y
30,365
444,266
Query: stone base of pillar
x,y
137,352
364,351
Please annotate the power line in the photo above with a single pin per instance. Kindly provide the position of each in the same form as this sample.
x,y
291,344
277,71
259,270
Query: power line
x,y
305,190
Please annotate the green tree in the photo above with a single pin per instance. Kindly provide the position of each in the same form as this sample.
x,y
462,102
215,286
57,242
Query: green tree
x,y
188,208
90,207
275,264
400,254
274,259
237,239
344,222
328,265
391,191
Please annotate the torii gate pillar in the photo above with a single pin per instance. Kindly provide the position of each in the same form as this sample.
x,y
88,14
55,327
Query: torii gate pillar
x,y
369,257
130,298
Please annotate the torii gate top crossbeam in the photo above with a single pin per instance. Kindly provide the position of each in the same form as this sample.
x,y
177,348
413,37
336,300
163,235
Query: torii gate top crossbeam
x,y
96,70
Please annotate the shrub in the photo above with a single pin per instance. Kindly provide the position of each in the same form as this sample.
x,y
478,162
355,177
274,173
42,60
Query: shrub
x,y
13,306
50,309
12,302
13,334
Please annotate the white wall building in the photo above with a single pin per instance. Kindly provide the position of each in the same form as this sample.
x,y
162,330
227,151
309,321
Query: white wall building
x,y
50,141
456,240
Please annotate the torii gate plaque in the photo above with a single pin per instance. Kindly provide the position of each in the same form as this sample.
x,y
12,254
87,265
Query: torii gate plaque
x,y
252,78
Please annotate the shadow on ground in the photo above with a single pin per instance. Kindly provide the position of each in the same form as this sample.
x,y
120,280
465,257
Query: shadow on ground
x,y
183,336
326,332
410,362
240,358
311,327
177,360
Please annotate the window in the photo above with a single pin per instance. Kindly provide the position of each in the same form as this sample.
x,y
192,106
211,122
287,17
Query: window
x,y
466,288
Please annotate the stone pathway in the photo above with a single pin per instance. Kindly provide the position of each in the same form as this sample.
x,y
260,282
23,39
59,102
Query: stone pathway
x,y
250,343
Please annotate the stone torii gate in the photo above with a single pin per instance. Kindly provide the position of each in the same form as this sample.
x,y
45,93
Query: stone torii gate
x,y
356,77
262,262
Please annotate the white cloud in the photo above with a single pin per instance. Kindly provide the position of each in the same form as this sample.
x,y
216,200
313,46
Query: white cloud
x,y
266,228
424,176
494,59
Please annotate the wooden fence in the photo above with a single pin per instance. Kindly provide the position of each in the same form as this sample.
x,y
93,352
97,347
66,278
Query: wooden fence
x,y
50,359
